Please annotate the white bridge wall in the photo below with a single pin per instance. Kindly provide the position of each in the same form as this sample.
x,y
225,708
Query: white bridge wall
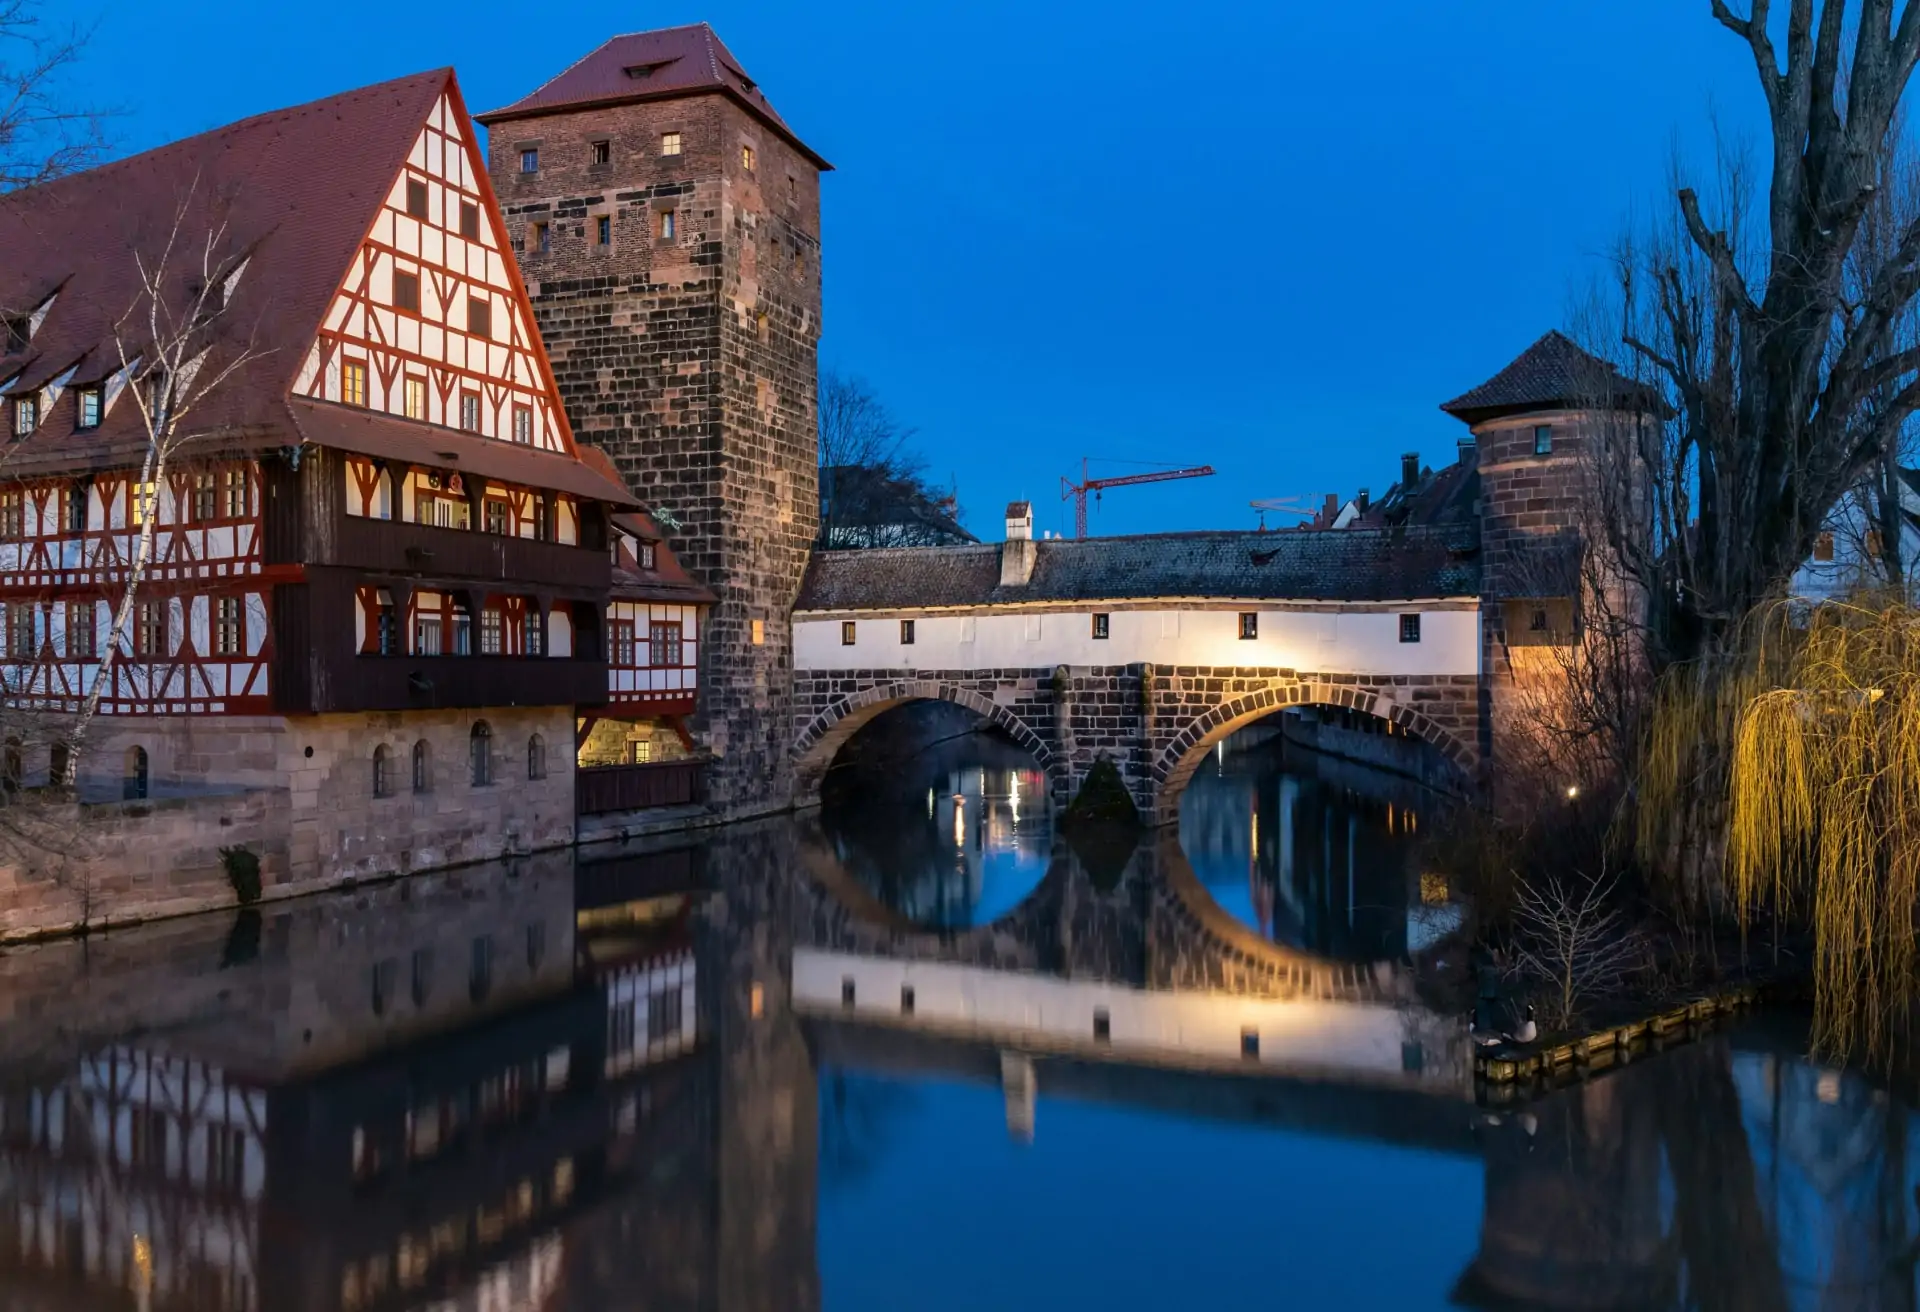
x,y
1324,640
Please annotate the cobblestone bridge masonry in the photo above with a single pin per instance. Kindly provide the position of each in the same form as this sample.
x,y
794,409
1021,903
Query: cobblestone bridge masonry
x,y
1155,723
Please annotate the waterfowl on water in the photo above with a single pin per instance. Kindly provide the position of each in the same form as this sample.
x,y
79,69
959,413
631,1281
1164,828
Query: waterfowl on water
x,y
1526,1031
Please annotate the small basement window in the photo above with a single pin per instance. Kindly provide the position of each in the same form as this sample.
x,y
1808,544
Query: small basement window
x,y
1543,440
1409,628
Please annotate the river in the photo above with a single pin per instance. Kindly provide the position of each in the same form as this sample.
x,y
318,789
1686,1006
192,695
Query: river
x,y
917,1052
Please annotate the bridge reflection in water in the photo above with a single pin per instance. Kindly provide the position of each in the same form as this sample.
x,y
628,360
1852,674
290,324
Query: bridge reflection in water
x,y
642,1083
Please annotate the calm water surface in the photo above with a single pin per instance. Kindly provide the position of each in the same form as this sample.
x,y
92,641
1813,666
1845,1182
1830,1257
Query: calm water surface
x,y
856,1063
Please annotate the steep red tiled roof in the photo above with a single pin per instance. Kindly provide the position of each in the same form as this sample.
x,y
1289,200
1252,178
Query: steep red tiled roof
x,y
668,580
677,61
1551,374
293,191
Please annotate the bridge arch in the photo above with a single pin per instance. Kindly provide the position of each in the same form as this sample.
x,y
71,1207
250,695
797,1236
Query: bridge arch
x,y
1175,762
823,737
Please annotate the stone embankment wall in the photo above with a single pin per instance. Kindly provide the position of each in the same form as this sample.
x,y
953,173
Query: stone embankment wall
x,y
1397,753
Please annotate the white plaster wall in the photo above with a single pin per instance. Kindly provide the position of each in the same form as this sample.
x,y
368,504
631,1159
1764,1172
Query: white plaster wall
x,y
1326,641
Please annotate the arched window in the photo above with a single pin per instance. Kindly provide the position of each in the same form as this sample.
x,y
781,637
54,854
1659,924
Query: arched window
x,y
536,757
480,753
133,779
383,771
422,767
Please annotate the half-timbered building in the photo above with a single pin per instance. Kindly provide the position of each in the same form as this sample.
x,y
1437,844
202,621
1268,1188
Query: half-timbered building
x,y
379,564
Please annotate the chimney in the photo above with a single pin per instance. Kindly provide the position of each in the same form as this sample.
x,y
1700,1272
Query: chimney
x,y
1333,507
1469,450
1409,470
1018,552
1362,500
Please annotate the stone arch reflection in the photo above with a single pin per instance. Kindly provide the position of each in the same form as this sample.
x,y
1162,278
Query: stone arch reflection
x,y
1318,849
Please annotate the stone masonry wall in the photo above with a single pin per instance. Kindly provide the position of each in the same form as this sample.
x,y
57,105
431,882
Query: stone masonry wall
x,y
692,361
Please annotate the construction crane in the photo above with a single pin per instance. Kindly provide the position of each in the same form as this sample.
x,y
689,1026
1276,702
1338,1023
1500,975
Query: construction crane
x,y
1078,491
1279,506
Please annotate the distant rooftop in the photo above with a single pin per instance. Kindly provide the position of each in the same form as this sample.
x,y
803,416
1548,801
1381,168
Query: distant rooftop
x,y
1552,374
658,65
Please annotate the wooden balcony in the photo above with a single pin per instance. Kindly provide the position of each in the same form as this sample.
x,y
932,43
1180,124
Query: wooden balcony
x,y
598,789
391,547
399,683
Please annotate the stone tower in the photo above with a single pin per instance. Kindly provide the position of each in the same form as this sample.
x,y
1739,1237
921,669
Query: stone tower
x,y
667,222
1532,424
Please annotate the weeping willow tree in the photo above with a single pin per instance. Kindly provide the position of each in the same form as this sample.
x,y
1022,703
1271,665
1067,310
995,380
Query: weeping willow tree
x,y
1822,795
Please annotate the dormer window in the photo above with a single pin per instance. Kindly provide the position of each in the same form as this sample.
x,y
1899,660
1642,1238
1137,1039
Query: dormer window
x,y
26,415
646,555
640,72
18,331
89,405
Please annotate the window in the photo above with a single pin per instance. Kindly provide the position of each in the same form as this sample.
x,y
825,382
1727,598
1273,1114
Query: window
x,y
228,628
480,753
406,292
386,634
133,775
666,225
533,636
416,198
88,402
603,230
746,158
462,630
480,969
80,630
236,494
20,643
541,239
757,629
16,331
426,634
1537,621
543,518
523,424
353,382
383,771
493,516
639,751
206,498
536,757
600,152
414,394
906,633
383,973
422,783
492,629
420,966
620,632
76,508
1101,624
1543,439
26,415
13,514
141,502
470,411
649,556
479,316
1823,547
663,645
669,143
846,633
530,159
1249,625
469,220
1409,628
150,629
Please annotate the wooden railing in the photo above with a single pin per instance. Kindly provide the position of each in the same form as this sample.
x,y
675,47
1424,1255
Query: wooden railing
x,y
598,789
422,549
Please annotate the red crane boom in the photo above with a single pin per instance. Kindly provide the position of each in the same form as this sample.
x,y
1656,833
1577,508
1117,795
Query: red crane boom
x,y
1078,491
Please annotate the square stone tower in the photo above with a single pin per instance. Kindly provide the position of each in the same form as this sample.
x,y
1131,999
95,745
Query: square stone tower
x,y
667,222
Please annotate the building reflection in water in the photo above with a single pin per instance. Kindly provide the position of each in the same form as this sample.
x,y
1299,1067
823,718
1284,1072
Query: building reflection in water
x,y
611,1102
951,837
1311,851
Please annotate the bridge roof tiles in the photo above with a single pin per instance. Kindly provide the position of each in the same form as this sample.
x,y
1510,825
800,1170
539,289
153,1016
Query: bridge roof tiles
x,y
1349,565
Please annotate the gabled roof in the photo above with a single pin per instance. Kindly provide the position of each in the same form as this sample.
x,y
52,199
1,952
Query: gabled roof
x,y
1552,374
293,191
658,65
1351,565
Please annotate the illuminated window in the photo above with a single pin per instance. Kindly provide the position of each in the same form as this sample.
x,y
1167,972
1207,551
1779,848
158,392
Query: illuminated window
x,y
640,751
470,411
140,503
663,645
746,158
89,408
406,291
236,494
469,220
530,159
414,398
523,424
13,514
1249,624
416,198
758,629
1823,547
353,382
846,633
1409,628
666,224
1543,440
228,627
600,152
669,143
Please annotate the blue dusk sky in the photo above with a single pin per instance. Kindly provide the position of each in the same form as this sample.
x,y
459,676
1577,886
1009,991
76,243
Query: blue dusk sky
x,y
1270,237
